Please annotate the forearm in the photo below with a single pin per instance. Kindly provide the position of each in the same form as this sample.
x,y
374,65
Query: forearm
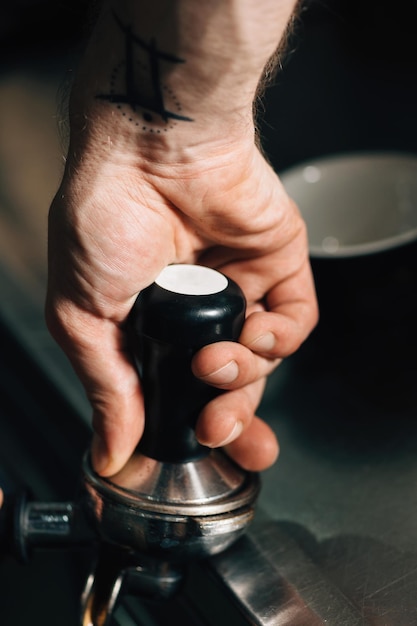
x,y
169,75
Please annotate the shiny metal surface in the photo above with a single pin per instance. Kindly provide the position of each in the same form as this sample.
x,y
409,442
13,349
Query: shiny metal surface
x,y
152,517
150,524
116,576
272,580
39,525
96,609
146,528
275,583
46,522
183,487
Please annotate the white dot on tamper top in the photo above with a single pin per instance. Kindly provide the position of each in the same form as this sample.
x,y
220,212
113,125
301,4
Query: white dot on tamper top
x,y
192,280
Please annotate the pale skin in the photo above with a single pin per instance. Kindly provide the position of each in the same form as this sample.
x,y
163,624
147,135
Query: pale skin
x,y
142,189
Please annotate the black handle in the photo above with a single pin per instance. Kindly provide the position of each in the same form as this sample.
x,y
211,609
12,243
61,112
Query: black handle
x,y
188,307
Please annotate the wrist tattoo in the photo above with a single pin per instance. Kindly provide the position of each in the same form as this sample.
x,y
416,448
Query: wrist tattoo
x,y
136,87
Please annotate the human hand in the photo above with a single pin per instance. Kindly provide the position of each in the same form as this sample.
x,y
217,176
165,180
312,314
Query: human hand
x,y
163,168
117,222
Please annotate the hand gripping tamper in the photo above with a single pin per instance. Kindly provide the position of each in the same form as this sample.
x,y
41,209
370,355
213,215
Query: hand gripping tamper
x,y
175,500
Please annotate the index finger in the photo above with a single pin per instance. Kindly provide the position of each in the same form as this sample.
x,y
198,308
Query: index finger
x,y
280,289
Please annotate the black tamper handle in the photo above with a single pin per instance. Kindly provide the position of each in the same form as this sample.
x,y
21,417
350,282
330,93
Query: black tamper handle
x,y
186,308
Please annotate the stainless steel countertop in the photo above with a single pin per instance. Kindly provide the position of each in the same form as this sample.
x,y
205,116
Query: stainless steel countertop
x,y
342,500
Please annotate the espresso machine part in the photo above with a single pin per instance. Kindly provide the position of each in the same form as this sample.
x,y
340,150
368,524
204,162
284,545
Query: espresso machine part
x,y
175,500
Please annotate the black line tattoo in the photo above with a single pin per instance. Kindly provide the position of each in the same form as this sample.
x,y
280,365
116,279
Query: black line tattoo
x,y
136,82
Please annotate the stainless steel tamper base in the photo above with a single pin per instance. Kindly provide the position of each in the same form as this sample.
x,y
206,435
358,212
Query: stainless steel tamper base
x,y
153,517
174,511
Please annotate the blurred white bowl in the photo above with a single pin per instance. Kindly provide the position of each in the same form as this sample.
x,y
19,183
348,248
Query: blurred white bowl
x,y
356,204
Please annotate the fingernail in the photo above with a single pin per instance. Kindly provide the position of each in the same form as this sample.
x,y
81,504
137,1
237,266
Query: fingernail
x,y
99,456
223,376
237,429
264,343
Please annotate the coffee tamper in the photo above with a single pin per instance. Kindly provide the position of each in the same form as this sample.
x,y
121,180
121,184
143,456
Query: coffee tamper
x,y
175,500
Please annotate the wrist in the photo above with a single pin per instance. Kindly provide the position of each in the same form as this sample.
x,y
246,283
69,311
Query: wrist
x,y
124,140
168,76
104,149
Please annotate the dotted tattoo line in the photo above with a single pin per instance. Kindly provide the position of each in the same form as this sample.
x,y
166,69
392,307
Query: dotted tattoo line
x,y
147,116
